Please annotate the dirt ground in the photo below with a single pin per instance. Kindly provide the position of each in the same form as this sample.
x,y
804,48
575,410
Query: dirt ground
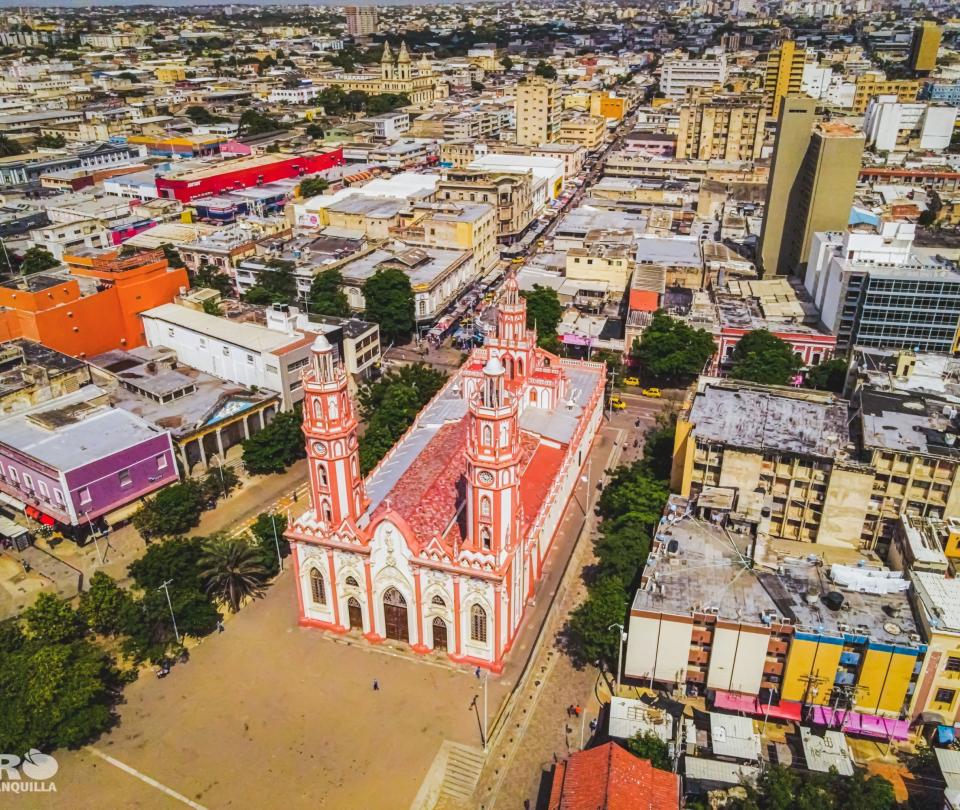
x,y
269,714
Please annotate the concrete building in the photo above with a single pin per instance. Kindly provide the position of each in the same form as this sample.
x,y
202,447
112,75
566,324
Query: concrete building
x,y
721,128
874,290
891,125
362,21
679,74
538,111
260,357
936,601
511,195
460,225
784,74
874,83
588,131
812,183
389,126
924,47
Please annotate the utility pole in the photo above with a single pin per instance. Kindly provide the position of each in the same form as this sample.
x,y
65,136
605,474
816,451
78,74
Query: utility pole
x,y
165,588
484,711
621,635
223,484
276,540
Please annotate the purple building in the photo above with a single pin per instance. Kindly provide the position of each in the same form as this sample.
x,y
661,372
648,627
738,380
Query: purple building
x,y
75,459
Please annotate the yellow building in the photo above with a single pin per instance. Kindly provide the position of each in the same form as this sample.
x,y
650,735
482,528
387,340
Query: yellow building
x,y
610,263
936,601
462,225
873,84
538,108
721,128
784,74
587,131
613,108
419,83
924,48
168,74
510,194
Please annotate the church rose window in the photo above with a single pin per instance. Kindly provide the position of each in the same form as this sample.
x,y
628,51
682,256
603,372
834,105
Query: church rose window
x,y
478,624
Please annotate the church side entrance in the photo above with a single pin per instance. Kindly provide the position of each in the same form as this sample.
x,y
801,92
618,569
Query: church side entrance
x,y
395,615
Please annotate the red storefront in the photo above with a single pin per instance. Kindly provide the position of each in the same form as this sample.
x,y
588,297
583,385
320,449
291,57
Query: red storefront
x,y
230,175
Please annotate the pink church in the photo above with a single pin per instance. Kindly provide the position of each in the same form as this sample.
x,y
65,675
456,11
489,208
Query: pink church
x,y
442,545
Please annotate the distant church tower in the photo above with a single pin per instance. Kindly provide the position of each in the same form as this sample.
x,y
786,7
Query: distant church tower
x,y
404,65
386,63
330,426
493,465
515,344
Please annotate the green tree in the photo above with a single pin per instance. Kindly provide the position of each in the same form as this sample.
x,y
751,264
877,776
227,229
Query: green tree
x,y
218,482
544,312
633,489
254,122
380,103
211,307
9,147
36,260
277,446
202,116
546,70
780,788
327,296
671,350
173,510
176,559
622,548
828,376
266,533
214,279
762,357
148,628
658,449
648,745
104,605
275,285
390,303
50,620
588,633
232,571
423,379
507,63
312,186
172,255
315,132
51,141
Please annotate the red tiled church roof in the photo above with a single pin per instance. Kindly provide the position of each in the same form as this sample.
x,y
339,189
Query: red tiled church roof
x,y
536,478
611,778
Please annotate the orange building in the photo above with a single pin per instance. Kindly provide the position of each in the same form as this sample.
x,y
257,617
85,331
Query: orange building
x,y
92,309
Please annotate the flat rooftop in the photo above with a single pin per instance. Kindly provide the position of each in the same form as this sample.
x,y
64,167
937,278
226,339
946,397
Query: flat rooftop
x,y
422,265
245,335
908,423
766,418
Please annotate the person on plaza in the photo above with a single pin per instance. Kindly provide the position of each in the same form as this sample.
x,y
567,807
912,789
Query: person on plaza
x,y
376,685
577,710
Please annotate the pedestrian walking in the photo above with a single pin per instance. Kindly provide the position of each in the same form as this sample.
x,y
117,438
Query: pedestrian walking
x,y
577,710
593,725
376,685
477,673
220,627
570,710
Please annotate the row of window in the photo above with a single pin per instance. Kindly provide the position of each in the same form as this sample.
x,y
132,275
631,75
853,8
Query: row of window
x,y
478,616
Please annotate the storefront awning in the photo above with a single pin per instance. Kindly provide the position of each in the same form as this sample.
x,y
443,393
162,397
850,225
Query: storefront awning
x,y
867,725
747,704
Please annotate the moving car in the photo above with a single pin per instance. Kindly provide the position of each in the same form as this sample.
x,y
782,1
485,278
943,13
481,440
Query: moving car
x,y
652,392
631,381
617,404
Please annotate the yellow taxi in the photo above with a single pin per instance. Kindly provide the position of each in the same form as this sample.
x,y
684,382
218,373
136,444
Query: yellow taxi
x,y
617,404
634,381
652,392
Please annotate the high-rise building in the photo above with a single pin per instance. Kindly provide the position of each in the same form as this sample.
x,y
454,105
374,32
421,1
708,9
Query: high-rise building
x,y
784,74
721,128
812,182
924,47
361,20
538,111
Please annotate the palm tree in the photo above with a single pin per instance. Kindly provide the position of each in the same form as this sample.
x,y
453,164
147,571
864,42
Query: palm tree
x,y
232,570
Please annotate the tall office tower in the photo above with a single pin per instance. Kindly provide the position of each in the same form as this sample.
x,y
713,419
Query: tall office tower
x,y
812,182
924,47
361,20
538,111
784,74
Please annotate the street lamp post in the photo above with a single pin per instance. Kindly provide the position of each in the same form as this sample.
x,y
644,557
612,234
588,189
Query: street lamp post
x,y
623,637
165,588
484,711
223,483
276,540
93,535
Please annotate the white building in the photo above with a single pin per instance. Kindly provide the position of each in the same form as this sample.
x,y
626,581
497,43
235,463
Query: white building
x,y
680,73
816,80
890,125
546,170
266,357
389,126
294,95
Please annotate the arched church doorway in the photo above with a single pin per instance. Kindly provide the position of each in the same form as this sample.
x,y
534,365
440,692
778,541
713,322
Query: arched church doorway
x,y
439,634
395,615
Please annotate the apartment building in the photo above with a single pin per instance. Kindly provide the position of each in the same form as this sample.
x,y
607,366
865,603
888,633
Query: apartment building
x,y
538,109
679,74
891,125
510,194
924,47
721,128
588,131
874,83
573,156
783,75
459,225
362,21
873,289
812,182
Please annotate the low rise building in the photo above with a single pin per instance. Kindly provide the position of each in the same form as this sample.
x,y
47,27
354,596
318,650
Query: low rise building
x,y
511,195
679,74
588,131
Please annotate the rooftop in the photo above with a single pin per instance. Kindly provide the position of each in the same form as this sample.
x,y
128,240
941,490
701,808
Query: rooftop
x,y
908,423
245,335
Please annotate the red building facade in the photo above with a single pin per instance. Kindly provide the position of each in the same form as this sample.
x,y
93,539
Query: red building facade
x,y
231,175
442,545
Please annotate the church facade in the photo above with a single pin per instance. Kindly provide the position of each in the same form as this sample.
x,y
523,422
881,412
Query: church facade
x,y
418,81
442,545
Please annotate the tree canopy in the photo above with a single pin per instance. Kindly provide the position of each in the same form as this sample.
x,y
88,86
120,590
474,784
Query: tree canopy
x,y
390,303
277,446
312,186
648,745
254,122
276,285
36,260
781,788
828,376
546,70
762,357
671,350
173,510
544,312
326,295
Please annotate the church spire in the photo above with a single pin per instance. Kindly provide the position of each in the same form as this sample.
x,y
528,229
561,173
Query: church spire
x,y
404,55
387,54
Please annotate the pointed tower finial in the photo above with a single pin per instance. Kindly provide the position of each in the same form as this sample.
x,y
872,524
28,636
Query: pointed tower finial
x,y
387,53
404,55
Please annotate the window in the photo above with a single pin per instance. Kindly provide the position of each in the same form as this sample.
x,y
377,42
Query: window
x,y
44,491
226,351
27,481
945,696
85,495
351,581
485,507
162,461
485,538
58,496
438,600
250,359
124,477
317,589
322,475
953,664
478,624
170,332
